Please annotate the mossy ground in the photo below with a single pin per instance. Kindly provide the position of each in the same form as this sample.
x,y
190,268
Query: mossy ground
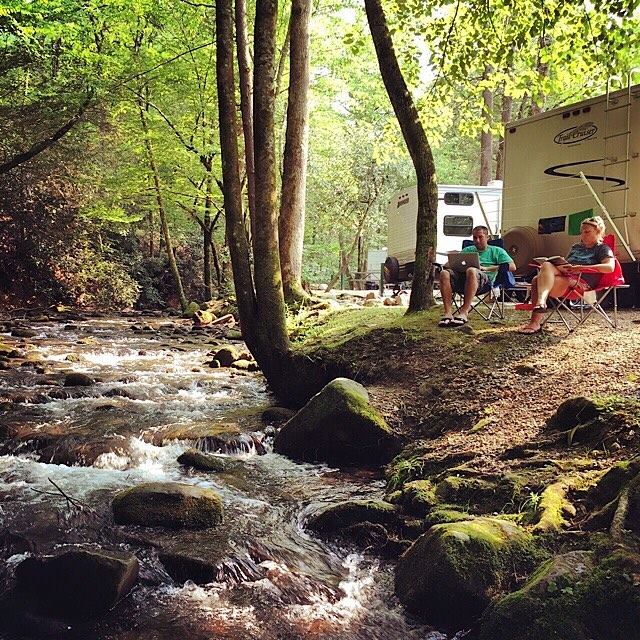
x,y
473,403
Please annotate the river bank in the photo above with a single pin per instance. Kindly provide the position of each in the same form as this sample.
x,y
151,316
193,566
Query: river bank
x,y
472,408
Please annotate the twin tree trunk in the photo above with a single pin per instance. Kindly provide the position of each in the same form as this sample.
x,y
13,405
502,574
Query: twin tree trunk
x,y
294,178
261,302
416,140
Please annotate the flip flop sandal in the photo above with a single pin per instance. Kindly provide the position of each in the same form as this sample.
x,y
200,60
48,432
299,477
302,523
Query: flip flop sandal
x,y
445,322
529,332
458,322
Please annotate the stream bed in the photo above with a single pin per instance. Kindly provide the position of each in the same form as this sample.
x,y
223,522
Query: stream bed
x,y
66,451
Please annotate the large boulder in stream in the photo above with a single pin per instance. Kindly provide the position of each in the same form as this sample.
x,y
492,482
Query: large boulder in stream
x,y
338,426
574,596
171,505
451,572
77,583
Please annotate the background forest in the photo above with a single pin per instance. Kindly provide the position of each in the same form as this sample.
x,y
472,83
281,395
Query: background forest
x,y
109,142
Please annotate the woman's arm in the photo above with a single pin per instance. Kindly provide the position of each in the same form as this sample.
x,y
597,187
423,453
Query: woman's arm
x,y
606,266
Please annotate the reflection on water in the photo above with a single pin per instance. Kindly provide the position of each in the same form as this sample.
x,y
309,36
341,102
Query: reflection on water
x,y
153,398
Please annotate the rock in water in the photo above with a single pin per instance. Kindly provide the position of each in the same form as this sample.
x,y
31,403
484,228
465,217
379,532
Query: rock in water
x,y
339,516
451,572
338,426
171,505
201,461
78,380
78,583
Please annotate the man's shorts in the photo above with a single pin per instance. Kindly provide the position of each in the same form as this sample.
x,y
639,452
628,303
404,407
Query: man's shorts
x,y
458,281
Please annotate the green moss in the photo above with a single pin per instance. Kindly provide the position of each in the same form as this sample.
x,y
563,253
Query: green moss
x,y
445,513
568,598
552,508
419,497
464,562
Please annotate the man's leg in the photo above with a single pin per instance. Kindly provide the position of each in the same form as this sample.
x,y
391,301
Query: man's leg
x,y
446,292
470,288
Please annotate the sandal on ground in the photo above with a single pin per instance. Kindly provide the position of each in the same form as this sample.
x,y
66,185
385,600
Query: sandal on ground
x,y
445,322
458,321
529,331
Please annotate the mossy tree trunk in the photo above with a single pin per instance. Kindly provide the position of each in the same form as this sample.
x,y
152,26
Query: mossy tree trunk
x,y
294,177
418,145
259,294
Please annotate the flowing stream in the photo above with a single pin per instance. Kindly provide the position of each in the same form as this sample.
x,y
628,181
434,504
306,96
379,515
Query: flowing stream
x,y
68,450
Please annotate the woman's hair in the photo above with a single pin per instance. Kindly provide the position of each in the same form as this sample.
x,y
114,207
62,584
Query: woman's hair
x,y
597,222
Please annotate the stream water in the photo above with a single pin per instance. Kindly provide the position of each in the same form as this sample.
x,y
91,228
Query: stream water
x,y
68,450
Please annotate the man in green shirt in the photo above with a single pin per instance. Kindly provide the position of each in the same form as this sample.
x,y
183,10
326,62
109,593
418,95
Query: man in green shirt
x,y
473,281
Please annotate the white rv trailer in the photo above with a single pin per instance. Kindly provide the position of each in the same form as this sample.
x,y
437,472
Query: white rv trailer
x,y
545,198
460,209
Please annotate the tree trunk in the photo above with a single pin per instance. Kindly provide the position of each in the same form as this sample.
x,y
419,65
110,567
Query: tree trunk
x,y
173,266
538,98
416,140
267,273
246,103
235,229
486,137
294,178
206,239
507,105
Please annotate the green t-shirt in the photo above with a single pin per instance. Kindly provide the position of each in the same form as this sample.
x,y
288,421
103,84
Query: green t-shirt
x,y
490,257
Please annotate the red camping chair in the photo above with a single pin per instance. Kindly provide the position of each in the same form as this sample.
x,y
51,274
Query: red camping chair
x,y
578,303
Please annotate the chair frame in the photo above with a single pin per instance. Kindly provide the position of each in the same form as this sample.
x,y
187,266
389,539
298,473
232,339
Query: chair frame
x,y
490,304
609,283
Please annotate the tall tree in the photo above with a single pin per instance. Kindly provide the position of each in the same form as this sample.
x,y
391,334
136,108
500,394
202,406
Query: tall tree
x,y
420,152
260,297
294,177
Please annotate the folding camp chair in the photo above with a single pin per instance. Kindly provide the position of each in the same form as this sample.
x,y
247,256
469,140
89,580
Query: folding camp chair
x,y
578,303
490,301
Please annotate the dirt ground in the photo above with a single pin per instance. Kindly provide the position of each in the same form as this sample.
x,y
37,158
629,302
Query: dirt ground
x,y
496,406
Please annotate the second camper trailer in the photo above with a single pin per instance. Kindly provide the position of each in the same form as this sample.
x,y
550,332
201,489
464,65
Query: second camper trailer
x,y
460,209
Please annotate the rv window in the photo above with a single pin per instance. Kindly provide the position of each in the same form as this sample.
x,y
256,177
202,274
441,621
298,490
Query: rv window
x,y
463,199
551,225
458,226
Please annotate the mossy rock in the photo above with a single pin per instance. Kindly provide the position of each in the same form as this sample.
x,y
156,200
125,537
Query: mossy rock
x,y
226,355
445,513
346,514
419,497
168,504
191,310
201,461
449,574
571,597
338,426
478,494
572,412
77,583
245,365
203,318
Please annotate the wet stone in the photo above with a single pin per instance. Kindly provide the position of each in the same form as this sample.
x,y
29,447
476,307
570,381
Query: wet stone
x,y
78,380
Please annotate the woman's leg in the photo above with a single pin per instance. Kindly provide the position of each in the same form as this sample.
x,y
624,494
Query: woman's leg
x,y
547,283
